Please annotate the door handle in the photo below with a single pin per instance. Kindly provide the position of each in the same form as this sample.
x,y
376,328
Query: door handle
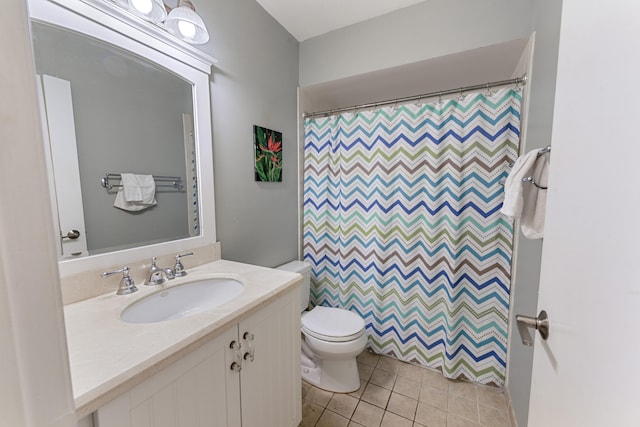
x,y
73,235
540,323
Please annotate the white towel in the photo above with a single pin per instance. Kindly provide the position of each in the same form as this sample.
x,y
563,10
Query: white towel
x,y
535,201
523,199
138,192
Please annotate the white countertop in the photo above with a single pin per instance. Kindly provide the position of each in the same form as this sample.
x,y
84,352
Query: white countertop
x,y
108,356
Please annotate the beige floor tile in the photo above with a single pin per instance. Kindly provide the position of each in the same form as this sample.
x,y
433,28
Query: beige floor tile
x,y
393,420
492,417
310,414
305,389
389,364
407,387
343,404
368,358
358,393
331,419
464,389
365,371
434,397
354,424
402,405
376,395
456,421
382,378
463,407
491,396
368,415
410,371
430,416
435,379
318,396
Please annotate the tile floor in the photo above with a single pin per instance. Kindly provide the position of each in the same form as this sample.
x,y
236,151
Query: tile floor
x,y
398,394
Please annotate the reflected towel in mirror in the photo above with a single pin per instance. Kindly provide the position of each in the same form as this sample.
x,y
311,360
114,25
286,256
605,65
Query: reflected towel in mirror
x,y
137,192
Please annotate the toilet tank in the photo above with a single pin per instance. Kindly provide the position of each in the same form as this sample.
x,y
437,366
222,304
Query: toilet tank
x,y
305,290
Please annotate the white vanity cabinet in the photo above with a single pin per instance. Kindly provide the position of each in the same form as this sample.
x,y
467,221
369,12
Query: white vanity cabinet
x,y
205,388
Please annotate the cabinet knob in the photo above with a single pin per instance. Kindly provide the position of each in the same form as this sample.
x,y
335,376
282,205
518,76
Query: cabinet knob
x,y
248,356
234,345
236,367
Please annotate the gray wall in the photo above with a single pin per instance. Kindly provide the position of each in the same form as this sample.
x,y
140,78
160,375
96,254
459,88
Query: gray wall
x,y
427,30
128,118
527,266
254,83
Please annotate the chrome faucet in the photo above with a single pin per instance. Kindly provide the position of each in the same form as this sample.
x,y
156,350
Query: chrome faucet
x,y
157,274
127,286
178,269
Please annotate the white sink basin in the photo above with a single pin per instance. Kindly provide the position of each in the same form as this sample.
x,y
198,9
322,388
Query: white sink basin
x,y
182,300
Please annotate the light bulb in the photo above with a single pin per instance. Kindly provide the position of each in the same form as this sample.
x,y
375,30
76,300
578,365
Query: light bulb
x,y
187,29
143,6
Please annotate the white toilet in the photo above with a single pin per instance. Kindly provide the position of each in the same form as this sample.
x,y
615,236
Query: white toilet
x,y
331,340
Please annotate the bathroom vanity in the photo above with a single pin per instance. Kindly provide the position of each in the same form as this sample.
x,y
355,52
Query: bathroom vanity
x,y
236,363
233,365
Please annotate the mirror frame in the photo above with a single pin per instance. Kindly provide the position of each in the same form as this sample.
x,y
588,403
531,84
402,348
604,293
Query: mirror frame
x,y
103,21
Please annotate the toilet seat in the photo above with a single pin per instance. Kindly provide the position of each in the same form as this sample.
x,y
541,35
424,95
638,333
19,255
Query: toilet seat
x,y
332,324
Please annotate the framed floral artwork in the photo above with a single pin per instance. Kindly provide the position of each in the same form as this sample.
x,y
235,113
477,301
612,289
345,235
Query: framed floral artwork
x,y
268,154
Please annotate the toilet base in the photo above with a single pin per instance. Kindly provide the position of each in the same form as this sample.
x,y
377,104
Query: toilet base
x,y
337,376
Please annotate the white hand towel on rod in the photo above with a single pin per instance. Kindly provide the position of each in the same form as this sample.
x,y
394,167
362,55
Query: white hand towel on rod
x,y
137,192
525,200
535,201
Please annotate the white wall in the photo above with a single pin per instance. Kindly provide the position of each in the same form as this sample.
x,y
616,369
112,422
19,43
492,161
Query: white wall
x,y
254,83
35,387
428,30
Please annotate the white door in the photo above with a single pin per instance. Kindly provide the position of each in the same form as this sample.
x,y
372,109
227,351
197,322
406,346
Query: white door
x,y
58,124
588,372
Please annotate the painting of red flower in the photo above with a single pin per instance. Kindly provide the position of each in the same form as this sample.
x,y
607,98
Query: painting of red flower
x,y
268,154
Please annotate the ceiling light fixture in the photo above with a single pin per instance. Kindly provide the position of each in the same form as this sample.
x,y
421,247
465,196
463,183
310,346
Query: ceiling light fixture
x,y
184,23
150,10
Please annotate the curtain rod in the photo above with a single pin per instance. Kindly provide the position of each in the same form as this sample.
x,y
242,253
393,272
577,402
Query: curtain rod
x,y
517,81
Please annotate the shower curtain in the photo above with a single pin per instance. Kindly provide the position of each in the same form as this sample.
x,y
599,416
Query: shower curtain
x,y
401,225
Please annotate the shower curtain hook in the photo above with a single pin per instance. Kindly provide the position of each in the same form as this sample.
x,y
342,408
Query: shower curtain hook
x,y
462,96
489,94
518,87
439,99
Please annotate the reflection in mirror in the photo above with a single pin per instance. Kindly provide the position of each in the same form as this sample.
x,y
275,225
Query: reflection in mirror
x,y
106,110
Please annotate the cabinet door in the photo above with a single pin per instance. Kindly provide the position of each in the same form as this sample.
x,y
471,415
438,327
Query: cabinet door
x,y
270,383
198,390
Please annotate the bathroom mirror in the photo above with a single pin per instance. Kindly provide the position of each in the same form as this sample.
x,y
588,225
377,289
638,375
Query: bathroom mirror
x,y
117,100
126,115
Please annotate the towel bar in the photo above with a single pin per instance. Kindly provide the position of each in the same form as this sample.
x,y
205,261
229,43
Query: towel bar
x,y
532,180
171,181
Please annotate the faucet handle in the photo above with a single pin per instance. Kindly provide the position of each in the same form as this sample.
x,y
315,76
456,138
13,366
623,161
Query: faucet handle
x,y
179,270
153,267
127,286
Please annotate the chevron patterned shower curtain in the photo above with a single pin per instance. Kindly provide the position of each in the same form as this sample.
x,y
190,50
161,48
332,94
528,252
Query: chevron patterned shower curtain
x,y
401,225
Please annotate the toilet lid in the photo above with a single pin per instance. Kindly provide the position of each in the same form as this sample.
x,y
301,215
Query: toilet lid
x,y
332,324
